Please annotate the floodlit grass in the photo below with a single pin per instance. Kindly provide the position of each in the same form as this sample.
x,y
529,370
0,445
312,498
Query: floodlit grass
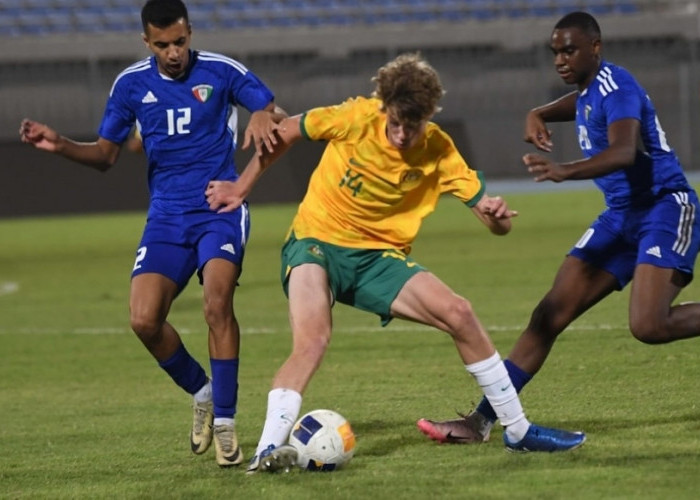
x,y
86,413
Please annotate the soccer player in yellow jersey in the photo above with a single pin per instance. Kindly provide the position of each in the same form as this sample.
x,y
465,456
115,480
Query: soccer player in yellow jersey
x,y
383,170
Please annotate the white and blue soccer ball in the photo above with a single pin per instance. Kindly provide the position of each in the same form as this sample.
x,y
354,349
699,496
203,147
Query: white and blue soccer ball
x,y
324,440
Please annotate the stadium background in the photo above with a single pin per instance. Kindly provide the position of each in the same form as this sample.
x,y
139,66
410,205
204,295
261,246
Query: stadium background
x,y
61,56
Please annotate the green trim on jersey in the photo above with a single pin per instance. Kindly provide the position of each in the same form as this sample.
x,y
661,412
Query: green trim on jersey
x,y
303,128
481,192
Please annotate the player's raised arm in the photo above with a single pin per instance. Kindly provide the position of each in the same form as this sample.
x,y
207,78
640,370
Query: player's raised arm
x,y
559,110
226,196
101,154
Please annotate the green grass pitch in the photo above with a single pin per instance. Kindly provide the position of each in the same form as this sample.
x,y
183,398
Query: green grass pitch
x,y
86,413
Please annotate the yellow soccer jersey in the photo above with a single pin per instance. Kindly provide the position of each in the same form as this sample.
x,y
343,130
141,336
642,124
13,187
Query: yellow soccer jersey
x,y
366,193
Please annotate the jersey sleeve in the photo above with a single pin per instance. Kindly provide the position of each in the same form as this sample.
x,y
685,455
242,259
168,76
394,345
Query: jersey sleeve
x,y
456,177
250,92
623,102
118,117
333,122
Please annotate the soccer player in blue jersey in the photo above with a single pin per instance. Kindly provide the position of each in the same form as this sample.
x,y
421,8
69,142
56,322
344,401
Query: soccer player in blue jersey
x,y
184,104
648,235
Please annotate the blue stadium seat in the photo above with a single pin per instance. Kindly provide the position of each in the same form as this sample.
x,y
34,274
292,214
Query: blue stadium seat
x,y
45,5
7,5
122,19
88,20
55,16
32,22
543,8
60,21
8,24
202,16
625,7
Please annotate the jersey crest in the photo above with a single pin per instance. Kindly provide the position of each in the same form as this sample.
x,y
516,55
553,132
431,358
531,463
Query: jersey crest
x,y
202,92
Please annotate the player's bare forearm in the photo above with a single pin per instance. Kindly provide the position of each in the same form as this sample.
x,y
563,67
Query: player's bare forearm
x,y
536,130
100,154
562,109
621,153
494,213
226,196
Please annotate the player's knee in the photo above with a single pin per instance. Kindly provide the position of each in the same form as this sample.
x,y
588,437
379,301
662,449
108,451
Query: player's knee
x,y
145,327
460,312
649,330
549,318
217,312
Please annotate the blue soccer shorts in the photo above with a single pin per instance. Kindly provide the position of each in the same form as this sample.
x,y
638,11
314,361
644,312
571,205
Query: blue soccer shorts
x,y
177,246
665,234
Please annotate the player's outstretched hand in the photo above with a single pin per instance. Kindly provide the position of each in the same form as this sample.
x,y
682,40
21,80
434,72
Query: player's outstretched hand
x,y
224,196
537,133
496,207
261,132
493,211
543,168
39,135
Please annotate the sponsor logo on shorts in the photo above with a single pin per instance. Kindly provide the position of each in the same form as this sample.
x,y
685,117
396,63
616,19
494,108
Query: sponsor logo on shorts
x,y
228,247
655,251
316,251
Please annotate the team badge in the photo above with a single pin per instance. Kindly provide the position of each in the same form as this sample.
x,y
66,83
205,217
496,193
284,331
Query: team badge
x,y
202,92
411,178
412,175
316,251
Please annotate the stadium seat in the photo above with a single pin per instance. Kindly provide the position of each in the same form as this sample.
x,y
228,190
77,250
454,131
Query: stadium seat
x,y
31,22
60,21
53,16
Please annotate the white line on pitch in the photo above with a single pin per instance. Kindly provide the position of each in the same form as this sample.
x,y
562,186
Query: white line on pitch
x,y
8,287
115,330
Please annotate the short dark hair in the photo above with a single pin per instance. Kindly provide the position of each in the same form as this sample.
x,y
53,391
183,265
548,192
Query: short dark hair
x,y
163,13
581,20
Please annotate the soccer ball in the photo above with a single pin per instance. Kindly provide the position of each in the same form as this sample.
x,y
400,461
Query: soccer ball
x,y
324,440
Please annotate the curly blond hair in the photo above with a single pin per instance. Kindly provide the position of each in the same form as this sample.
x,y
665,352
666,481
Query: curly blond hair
x,y
410,86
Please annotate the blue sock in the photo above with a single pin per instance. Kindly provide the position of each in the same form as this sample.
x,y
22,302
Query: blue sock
x,y
519,379
185,370
224,379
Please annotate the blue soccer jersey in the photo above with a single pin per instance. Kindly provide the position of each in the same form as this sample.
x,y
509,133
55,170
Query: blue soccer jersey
x,y
188,126
615,95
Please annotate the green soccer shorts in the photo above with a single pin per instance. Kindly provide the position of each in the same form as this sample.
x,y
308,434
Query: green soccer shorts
x,y
369,280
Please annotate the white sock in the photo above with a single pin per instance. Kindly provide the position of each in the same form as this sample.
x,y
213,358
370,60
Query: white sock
x,y
492,376
224,421
283,406
204,394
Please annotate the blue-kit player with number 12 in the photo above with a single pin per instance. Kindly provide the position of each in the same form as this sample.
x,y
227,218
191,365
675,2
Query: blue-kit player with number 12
x,y
184,104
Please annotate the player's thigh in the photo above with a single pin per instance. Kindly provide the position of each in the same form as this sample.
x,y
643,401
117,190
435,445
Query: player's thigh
x,y
577,286
309,303
219,279
378,278
150,298
653,291
221,237
426,299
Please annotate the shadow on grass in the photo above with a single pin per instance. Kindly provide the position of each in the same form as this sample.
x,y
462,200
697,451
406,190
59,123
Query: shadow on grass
x,y
388,436
605,424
